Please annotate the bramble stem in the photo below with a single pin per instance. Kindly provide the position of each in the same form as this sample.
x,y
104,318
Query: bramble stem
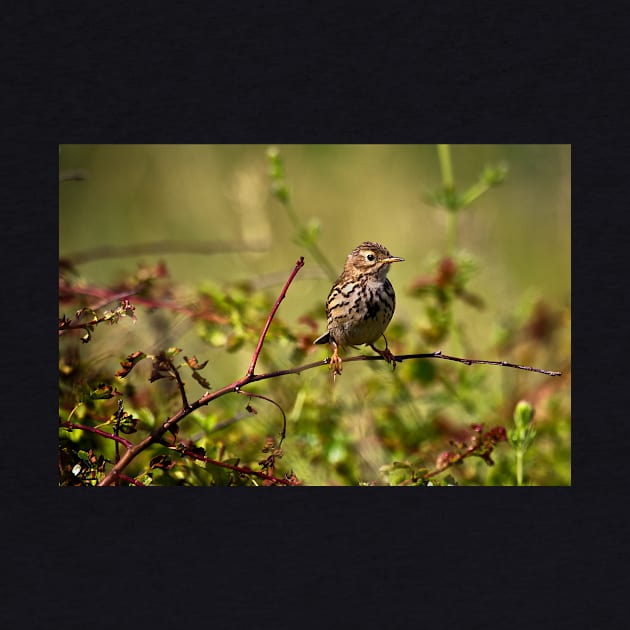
x,y
239,469
119,440
298,265
134,450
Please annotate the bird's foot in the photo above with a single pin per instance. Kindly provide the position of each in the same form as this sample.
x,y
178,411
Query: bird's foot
x,y
335,363
386,354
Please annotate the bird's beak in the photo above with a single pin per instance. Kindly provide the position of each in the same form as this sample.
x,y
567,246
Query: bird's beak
x,y
392,259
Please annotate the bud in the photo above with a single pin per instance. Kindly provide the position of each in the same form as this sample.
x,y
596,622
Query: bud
x,y
523,414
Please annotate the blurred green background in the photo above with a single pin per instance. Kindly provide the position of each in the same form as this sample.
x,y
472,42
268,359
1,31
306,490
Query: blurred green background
x,y
518,233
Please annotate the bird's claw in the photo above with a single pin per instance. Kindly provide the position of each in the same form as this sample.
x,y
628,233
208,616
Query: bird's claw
x,y
335,363
386,354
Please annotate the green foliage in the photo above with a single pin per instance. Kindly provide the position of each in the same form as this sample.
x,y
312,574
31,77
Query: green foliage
x,y
306,234
521,435
426,423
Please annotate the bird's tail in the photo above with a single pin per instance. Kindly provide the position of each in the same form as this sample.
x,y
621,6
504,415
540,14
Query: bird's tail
x,y
325,338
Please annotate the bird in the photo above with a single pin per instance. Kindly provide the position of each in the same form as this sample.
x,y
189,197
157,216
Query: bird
x,y
361,303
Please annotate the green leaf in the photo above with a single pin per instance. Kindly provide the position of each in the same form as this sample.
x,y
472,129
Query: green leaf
x,y
103,392
128,424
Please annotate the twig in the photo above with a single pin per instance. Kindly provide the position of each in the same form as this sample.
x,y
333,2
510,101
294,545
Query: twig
x,y
273,402
120,440
119,415
180,383
239,469
399,358
131,480
106,297
208,397
438,355
298,265
160,248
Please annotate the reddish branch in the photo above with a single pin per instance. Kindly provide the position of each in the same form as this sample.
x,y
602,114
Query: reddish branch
x,y
120,440
438,355
105,296
130,480
239,469
298,265
208,397
188,452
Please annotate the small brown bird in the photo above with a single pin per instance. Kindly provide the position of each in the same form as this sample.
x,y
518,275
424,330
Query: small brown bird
x,y
361,302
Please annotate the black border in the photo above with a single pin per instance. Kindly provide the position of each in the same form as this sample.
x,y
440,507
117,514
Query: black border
x,y
344,72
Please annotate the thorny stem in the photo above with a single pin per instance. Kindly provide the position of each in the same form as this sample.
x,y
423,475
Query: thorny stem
x,y
283,434
298,265
438,355
399,358
120,440
208,397
119,415
130,480
188,452
106,297
239,469
180,383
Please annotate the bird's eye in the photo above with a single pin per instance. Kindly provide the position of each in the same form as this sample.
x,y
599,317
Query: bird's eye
x,y
370,257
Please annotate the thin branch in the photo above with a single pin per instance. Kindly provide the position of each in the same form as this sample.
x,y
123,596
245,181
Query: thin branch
x,y
438,355
481,445
180,383
239,469
161,248
131,480
73,425
208,397
298,265
125,309
273,402
399,358
119,414
106,297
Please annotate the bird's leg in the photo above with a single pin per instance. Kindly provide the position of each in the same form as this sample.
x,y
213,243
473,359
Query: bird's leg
x,y
335,360
386,354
